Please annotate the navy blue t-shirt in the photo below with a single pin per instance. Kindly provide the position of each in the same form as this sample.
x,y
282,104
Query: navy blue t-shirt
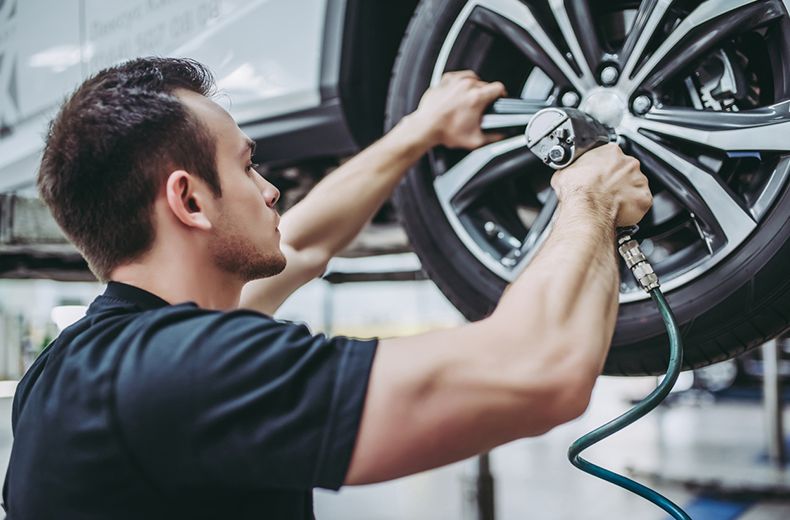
x,y
148,410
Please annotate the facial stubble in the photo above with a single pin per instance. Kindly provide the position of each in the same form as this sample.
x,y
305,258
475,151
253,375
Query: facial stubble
x,y
233,252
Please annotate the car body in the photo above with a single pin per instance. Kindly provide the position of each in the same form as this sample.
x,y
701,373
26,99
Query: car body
x,y
305,78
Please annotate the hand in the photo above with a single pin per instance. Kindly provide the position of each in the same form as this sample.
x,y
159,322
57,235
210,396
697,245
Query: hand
x,y
453,110
609,178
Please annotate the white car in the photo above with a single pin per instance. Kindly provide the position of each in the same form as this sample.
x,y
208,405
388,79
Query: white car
x,y
282,65
698,91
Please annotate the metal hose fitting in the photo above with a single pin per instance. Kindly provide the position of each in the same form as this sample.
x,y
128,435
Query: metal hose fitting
x,y
636,261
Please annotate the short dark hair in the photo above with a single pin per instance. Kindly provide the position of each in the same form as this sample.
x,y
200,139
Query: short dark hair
x,y
110,148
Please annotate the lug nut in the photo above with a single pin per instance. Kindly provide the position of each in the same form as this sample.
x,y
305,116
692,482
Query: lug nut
x,y
641,104
570,99
609,75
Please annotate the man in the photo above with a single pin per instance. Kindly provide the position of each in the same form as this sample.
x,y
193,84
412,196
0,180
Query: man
x,y
168,401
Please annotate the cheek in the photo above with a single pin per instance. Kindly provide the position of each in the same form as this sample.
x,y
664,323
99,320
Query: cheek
x,y
247,195
244,204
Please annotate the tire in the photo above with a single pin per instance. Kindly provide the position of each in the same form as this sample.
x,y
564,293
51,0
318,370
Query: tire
x,y
736,304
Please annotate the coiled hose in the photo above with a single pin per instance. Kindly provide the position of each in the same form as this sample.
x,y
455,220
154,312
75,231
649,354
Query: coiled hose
x,y
634,414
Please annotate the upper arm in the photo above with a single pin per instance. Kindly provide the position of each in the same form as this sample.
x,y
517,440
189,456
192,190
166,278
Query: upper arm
x,y
444,396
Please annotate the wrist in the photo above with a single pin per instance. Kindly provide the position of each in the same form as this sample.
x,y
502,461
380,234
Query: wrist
x,y
421,130
602,206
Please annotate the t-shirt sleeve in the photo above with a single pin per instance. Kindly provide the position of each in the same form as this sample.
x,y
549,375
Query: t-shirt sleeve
x,y
240,399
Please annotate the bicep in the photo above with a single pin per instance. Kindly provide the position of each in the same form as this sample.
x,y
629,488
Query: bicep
x,y
441,397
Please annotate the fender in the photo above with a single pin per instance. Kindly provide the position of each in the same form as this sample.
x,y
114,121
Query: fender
x,y
360,42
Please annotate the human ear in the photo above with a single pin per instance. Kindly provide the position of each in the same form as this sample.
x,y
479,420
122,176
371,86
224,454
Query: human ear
x,y
186,199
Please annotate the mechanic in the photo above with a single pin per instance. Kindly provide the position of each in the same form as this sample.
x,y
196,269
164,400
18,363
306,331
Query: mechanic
x,y
179,396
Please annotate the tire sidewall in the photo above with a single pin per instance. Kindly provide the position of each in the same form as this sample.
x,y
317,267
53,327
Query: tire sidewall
x,y
750,278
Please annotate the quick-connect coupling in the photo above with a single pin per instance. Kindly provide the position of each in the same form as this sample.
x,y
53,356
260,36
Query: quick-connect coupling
x,y
636,261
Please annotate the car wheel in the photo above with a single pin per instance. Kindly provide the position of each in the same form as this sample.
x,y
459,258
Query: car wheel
x,y
698,91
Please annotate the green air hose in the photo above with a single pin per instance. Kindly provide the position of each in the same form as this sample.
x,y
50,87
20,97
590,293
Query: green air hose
x,y
636,261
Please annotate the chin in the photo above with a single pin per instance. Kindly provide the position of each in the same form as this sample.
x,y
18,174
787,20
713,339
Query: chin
x,y
283,263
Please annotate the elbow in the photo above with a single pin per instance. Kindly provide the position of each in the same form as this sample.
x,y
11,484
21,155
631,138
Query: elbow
x,y
553,374
313,262
569,384
579,370
319,265
572,397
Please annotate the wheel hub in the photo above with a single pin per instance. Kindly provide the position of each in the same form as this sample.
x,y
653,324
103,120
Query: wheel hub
x,y
606,105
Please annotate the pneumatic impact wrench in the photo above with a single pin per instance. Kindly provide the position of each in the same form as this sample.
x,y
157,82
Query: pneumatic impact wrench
x,y
559,136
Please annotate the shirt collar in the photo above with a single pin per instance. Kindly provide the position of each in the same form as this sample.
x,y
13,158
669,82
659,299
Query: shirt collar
x,y
138,297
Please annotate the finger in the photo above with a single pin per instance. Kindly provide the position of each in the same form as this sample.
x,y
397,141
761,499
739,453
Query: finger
x,y
491,91
492,137
459,74
481,84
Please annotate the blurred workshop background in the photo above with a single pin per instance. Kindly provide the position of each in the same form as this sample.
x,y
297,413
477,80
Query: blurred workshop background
x,y
314,81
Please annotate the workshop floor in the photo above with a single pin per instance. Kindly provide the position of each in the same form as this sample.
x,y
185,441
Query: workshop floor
x,y
721,441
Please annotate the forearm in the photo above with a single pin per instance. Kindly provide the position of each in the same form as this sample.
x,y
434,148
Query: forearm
x,y
339,206
573,284
336,210
525,369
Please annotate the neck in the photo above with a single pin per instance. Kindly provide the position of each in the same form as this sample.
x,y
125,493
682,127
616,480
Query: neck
x,y
182,278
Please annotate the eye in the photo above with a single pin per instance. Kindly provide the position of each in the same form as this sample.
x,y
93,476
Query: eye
x,y
252,168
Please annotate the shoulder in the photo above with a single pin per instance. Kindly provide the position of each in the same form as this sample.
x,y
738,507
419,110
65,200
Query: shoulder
x,y
183,336
184,345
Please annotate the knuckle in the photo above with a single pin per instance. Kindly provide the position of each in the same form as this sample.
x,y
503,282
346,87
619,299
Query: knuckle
x,y
464,84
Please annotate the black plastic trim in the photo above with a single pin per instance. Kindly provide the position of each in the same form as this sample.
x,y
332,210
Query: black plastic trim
x,y
332,48
371,38
308,134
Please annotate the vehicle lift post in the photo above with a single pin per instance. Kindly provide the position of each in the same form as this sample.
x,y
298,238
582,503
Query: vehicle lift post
x,y
773,402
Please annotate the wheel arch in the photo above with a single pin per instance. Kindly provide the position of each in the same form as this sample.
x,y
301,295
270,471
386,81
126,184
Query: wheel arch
x,y
371,36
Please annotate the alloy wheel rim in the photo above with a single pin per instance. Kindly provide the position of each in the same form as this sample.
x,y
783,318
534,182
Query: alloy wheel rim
x,y
665,137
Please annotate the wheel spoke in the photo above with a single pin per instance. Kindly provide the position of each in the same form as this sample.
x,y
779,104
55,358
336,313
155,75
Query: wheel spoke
x,y
582,19
510,112
449,184
733,221
541,223
695,35
755,130
519,259
712,234
514,163
515,21
647,19
562,16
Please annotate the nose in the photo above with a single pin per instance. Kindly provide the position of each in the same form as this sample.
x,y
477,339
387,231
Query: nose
x,y
270,193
